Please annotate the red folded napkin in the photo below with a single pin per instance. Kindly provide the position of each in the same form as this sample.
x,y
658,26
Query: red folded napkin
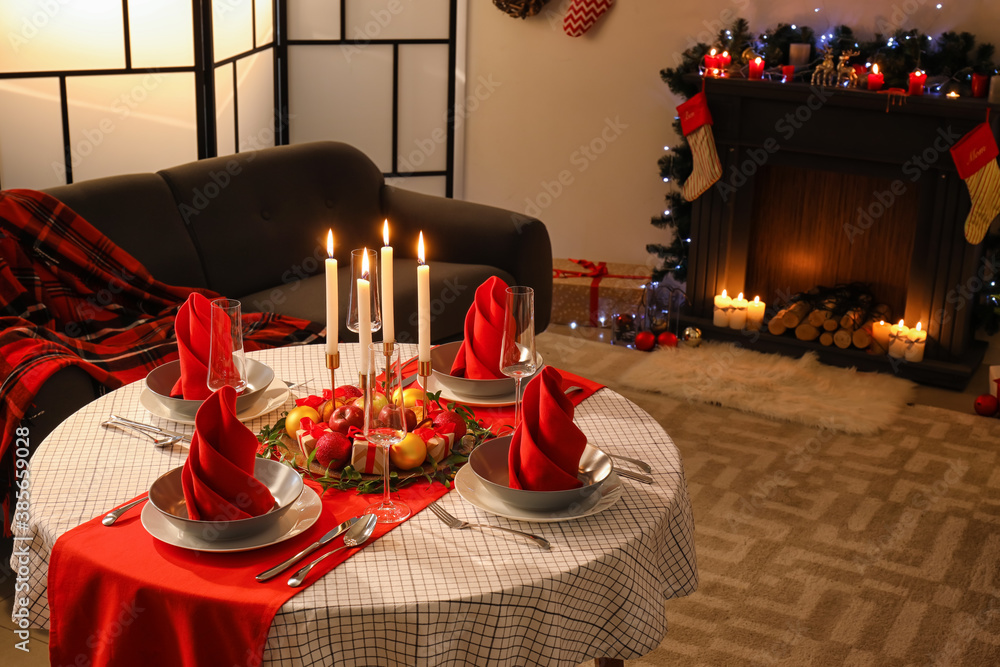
x,y
478,357
192,326
218,475
546,447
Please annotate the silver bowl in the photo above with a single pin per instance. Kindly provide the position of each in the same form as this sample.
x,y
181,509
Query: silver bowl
x,y
166,495
490,464
443,356
161,380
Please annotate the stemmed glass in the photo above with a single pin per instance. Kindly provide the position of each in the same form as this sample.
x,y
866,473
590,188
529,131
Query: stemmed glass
x,y
517,355
227,363
374,299
385,422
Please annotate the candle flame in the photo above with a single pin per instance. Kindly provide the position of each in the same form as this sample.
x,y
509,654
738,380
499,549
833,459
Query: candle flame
x,y
329,243
952,95
919,73
385,231
420,249
364,264
918,326
875,68
881,322
757,60
740,296
756,299
725,54
712,52
723,292
901,324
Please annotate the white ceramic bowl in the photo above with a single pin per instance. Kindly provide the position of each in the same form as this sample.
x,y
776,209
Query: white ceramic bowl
x,y
161,380
443,356
490,464
166,495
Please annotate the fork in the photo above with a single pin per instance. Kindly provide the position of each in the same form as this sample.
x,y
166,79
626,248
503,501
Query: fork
x,y
455,522
132,430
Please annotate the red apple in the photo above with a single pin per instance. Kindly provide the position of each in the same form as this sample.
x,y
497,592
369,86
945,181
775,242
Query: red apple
x,y
346,393
645,340
987,405
385,414
446,416
351,415
333,450
667,339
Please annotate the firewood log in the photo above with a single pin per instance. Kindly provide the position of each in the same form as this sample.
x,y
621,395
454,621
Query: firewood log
x,y
795,314
851,319
806,331
826,338
882,312
818,316
831,325
776,327
842,338
862,336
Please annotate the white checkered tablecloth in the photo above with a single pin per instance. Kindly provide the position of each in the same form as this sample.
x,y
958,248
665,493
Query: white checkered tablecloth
x,y
424,594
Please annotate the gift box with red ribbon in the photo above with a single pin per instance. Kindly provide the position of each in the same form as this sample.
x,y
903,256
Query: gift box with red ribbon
x,y
589,293
366,456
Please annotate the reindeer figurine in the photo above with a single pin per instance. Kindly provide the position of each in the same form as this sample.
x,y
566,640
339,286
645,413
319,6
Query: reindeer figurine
x,y
825,73
845,72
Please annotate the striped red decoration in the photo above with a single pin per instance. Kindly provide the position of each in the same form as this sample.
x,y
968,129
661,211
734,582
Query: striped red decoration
x,y
583,14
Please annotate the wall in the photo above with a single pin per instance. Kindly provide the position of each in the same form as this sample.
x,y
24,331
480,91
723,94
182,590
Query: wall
x,y
570,129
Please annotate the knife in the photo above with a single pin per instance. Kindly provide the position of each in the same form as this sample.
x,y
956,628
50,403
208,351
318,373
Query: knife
x,y
268,574
150,427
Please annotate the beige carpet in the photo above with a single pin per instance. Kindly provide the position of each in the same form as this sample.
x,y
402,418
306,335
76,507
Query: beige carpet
x,y
818,547
798,390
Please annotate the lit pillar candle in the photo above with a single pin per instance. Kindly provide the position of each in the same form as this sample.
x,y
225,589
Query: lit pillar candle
x,y
738,316
898,340
722,305
755,314
332,304
757,68
364,315
875,80
423,303
918,340
711,63
388,321
917,80
881,331
787,73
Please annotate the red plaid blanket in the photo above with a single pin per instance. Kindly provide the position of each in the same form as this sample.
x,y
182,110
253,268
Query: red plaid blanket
x,y
70,296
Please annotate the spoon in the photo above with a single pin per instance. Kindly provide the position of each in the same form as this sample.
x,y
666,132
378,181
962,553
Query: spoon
x,y
112,516
356,535
157,442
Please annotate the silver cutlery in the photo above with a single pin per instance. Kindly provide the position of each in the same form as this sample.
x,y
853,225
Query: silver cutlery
x,y
642,465
268,574
291,385
114,515
570,390
455,522
166,441
356,535
639,477
115,419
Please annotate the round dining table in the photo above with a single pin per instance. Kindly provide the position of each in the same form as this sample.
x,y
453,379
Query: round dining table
x,y
423,594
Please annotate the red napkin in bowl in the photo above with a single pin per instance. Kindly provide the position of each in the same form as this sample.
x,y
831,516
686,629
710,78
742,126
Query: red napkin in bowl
x,y
478,357
192,328
218,476
546,447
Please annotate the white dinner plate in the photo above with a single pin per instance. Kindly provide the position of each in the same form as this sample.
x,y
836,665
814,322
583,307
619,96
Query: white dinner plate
x,y
448,395
301,515
472,489
273,398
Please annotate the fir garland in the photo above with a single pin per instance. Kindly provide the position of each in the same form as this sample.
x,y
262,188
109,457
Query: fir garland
x,y
950,60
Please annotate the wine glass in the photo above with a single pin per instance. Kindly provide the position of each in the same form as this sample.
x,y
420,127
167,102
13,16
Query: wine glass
x,y
227,363
517,351
374,300
385,422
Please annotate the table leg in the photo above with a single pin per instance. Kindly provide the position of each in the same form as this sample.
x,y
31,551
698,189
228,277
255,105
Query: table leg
x,y
608,662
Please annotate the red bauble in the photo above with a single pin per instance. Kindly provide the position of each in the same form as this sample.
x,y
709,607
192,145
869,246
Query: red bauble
x,y
987,405
645,341
667,339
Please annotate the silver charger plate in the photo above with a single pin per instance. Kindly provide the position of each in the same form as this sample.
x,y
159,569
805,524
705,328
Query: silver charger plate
x,y
274,397
303,513
473,491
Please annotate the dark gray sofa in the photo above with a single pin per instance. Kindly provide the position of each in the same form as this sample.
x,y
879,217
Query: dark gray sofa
x,y
253,226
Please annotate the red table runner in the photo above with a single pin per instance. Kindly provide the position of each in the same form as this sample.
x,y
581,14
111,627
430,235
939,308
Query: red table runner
x,y
118,596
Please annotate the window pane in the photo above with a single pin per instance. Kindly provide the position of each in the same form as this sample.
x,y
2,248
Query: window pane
x,y
129,123
225,106
255,93
423,107
265,22
31,144
161,33
428,185
232,27
61,36
314,19
393,19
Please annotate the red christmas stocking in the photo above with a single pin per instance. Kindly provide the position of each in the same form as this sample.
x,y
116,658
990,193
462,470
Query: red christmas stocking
x,y
975,158
583,14
696,124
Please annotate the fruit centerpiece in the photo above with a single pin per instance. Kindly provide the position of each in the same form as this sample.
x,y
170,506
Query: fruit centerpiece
x,y
322,437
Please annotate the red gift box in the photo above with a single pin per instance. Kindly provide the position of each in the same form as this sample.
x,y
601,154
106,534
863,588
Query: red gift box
x,y
585,292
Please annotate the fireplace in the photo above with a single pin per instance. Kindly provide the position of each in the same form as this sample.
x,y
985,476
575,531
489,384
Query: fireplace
x,y
823,186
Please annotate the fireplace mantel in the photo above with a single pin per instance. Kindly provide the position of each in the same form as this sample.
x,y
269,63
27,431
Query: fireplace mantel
x,y
766,131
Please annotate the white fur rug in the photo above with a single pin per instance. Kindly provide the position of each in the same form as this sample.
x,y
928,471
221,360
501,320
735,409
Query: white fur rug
x,y
799,390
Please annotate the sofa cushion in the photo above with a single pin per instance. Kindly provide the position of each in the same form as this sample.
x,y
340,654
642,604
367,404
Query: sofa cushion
x,y
453,289
277,205
138,213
